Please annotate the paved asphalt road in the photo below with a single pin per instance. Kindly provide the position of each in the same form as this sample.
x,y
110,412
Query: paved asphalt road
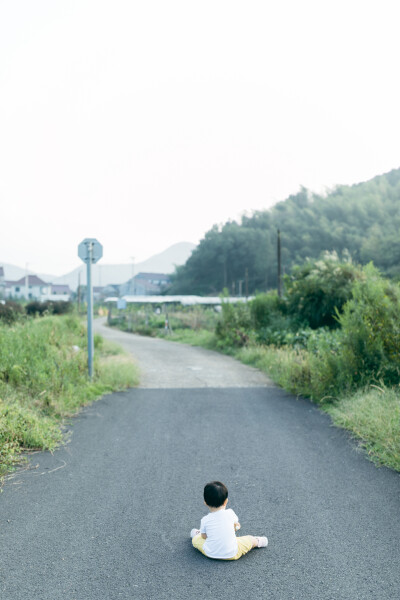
x,y
108,515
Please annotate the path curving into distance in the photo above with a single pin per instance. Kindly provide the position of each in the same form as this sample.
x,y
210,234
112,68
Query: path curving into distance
x,y
165,364
108,515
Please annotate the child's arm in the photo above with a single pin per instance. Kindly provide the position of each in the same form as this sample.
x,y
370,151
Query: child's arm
x,y
236,526
204,536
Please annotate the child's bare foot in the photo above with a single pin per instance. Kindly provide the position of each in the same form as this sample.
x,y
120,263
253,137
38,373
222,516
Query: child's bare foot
x,y
262,542
194,532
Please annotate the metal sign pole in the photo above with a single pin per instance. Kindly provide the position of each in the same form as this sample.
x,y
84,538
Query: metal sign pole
x,y
90,251
90,309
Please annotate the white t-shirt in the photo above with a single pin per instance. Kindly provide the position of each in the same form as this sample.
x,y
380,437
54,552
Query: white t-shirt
x,y
221,539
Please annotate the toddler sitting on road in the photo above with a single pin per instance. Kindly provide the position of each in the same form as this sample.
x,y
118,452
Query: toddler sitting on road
x,y
216,537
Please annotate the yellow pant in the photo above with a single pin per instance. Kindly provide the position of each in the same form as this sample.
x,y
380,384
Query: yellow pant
x,y
245,544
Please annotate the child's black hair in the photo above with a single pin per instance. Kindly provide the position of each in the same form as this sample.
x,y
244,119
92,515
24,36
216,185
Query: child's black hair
x,y
215,494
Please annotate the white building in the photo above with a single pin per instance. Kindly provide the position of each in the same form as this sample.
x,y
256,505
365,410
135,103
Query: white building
x,y
32,287
57,293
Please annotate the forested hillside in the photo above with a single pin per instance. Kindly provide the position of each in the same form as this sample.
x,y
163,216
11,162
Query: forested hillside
x,y
363,219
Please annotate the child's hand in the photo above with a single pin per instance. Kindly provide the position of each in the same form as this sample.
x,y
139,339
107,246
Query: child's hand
x,y
237,526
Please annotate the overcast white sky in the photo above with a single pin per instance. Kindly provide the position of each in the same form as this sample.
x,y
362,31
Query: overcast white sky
x,y
143,123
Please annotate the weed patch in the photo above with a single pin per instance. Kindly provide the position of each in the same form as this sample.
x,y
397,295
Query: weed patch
x,y
373,416
43,379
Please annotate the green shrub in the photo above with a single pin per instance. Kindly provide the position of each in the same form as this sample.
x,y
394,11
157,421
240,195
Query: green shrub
x,y
265,308
60,307
36,308
144,329
234,325
316,290
10,312
370,325
366,347
50,307
272,324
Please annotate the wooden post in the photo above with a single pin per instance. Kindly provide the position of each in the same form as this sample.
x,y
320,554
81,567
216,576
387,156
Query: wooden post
x,y
279,266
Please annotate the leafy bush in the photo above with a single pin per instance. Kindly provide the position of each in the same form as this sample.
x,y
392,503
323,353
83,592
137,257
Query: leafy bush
x,y
10,312
36,308
370,326
265,308
316,290
366,347
49,307
234,325
60,307
273,325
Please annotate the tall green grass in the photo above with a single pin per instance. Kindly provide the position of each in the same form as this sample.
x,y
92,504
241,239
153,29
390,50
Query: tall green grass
x,y
371,414
43,380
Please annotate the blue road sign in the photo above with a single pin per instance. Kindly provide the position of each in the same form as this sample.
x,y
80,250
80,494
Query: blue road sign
x,y
90,247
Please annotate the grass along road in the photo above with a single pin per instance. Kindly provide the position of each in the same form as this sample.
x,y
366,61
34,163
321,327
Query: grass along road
x,y
43,381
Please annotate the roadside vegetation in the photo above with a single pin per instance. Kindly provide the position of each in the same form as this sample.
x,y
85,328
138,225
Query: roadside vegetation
x,y
44,380
363,219
333,337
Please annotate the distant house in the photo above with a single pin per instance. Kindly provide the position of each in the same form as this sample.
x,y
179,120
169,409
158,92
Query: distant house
x,y
57,292
145,284
32,287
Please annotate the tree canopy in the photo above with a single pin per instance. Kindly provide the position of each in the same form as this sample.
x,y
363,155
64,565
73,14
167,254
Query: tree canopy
x,y
362,220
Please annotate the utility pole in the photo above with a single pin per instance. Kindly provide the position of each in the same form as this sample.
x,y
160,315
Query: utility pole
x,y
279,266
225,273
247,282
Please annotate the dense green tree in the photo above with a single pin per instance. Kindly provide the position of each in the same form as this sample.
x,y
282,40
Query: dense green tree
x,y
362,219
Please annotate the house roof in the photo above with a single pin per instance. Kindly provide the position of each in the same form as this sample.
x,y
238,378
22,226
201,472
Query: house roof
x,y
32,280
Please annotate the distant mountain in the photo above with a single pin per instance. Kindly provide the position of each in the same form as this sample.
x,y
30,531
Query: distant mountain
x,y
103,274
14,273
